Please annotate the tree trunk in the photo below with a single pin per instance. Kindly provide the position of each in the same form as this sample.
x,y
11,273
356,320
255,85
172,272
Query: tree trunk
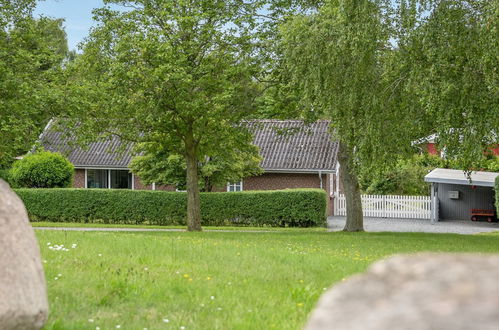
x,y
355,219
193,202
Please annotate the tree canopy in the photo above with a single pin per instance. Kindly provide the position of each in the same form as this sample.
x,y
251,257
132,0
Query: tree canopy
x,y
31,55
174,76
389,72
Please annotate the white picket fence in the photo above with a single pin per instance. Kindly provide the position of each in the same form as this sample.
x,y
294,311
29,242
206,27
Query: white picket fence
x,y
389,206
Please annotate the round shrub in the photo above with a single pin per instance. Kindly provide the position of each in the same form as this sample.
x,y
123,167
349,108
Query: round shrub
x,y
42,170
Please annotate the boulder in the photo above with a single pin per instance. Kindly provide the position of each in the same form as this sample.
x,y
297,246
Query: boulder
x,y
424,291
23,294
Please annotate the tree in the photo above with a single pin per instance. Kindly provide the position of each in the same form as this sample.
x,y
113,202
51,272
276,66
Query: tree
x,y
173,74
31,54
451,52
160,166
337,57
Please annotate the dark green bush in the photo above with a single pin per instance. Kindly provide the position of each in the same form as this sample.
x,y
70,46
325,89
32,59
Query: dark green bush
x,y
293,207
497,195
42,169
5,175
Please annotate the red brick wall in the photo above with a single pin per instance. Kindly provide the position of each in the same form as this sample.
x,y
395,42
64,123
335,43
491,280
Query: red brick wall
x,y
138,185
79,179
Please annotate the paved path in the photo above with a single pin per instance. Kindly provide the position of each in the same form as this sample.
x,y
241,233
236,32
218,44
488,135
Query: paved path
x,y
337,224
417,225
151,229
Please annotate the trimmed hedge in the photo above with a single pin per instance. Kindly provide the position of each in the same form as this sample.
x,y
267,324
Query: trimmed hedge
x,y
497,195
293,207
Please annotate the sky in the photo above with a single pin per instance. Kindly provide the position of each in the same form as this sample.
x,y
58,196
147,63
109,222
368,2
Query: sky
x,y
76,13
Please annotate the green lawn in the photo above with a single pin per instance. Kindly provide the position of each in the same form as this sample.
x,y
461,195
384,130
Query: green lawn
x,y
213,280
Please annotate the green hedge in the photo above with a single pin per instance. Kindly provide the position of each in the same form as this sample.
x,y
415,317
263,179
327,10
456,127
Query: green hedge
x,y
293,207
497,195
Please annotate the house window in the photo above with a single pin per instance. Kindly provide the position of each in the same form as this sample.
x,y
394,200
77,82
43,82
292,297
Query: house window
x,y
235,186
115,179
121,179
97,178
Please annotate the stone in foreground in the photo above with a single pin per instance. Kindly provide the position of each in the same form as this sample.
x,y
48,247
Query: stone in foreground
x,y
425,291
23,294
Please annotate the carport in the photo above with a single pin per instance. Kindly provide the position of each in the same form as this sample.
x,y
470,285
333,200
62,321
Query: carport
x,y
454,194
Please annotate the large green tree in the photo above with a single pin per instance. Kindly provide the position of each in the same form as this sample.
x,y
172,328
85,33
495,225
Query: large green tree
x,y
32,52
388,72
177,75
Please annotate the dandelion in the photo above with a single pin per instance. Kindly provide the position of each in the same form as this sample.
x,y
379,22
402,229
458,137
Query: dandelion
x,y
44,261
301,281
299,304
190,280
177,272
208,278
186,275
100,254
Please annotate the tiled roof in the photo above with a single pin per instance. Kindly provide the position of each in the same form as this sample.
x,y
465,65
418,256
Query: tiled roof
x,y
285,145
292,145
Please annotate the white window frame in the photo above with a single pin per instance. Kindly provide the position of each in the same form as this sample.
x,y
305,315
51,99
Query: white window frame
x,y
235,184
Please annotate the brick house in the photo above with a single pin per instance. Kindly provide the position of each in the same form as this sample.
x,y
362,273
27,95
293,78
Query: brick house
x,y
304,157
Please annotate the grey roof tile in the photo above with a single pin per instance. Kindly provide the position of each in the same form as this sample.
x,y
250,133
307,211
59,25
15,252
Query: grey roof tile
x,y
285,145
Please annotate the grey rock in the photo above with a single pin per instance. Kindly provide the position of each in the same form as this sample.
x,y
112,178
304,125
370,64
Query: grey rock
x,y
23,293
424,291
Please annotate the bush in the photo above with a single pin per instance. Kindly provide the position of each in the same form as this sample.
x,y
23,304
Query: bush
x,y
42,170
5,175
497,194
293,207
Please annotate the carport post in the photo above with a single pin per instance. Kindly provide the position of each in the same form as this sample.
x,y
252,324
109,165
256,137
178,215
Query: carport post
x,y
434,204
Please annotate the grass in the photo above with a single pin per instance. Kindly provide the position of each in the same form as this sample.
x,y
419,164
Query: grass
x,y
213,280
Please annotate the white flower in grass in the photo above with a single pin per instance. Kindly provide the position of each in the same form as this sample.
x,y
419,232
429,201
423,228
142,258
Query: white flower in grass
x,y
166,320
91,320
59,275
118,326
182,328
56,278
97,328
146,269
202,305
100,254
212,297
219,308
49,243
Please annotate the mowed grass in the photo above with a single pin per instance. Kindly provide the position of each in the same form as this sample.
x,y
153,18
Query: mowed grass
x,y
213,280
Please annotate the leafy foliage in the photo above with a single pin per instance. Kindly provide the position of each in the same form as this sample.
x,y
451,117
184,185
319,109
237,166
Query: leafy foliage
x,y
42,169
176,75
304,207
31,55
155,164
497,194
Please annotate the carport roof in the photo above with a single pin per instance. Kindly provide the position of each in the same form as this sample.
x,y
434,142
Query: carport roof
x,y
478,178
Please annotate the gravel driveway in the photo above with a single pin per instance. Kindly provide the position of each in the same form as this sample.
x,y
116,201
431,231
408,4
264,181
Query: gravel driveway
x,y
417,225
